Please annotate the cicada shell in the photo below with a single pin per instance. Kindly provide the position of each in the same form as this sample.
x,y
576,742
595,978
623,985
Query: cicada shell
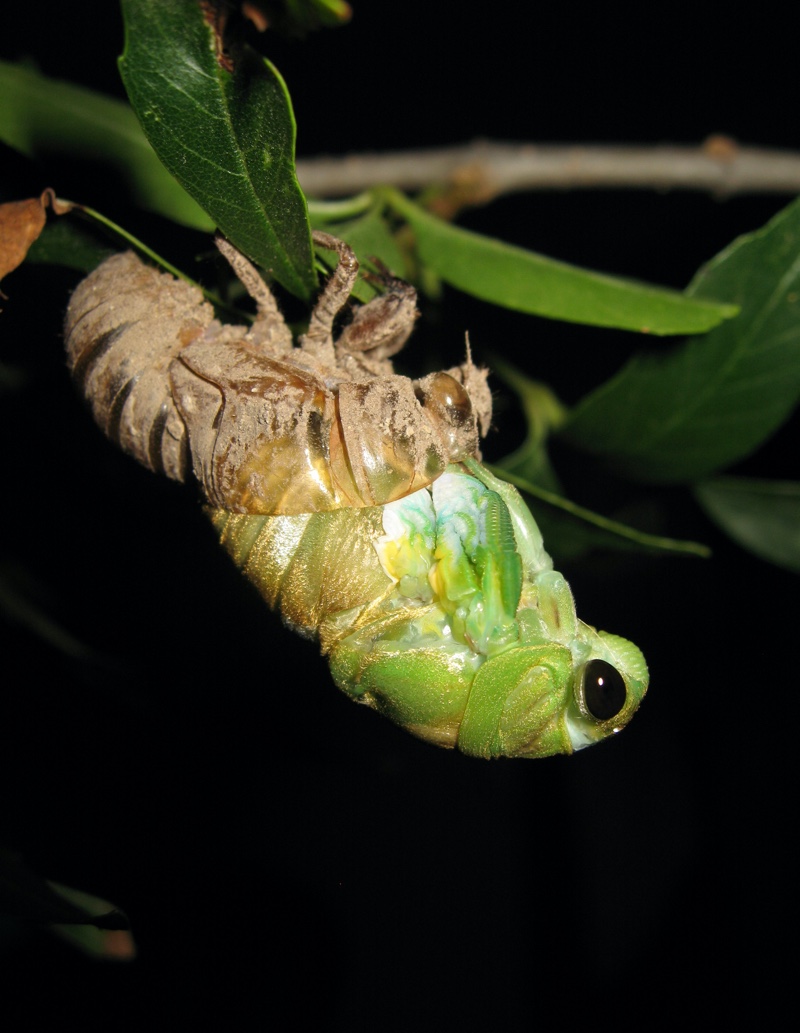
x,y
352,499
266,426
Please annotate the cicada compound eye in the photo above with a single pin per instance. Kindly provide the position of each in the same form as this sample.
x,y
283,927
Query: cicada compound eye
x,y
604,690
449,405
445,395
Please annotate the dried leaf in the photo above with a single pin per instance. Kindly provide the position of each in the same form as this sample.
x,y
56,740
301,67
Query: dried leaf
x,y
21,222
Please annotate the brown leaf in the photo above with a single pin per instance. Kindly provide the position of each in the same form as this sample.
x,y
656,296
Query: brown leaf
x,y
254,14
21,222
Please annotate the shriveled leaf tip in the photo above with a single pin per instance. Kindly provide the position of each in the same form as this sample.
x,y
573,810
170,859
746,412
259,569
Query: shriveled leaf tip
x,y
21,222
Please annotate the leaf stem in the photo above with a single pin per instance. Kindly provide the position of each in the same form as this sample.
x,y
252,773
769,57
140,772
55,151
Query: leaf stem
x,y
215,300
345,208
652,541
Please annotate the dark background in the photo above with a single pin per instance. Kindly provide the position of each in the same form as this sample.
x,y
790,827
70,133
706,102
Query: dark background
x,y
283,855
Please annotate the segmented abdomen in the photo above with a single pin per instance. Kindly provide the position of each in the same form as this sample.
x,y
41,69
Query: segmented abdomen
x,y
320,571
123,330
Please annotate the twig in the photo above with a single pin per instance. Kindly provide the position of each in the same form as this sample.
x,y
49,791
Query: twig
x,y
482,170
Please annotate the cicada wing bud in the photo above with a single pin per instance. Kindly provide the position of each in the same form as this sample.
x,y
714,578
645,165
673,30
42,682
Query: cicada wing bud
x,y
259,428
392,448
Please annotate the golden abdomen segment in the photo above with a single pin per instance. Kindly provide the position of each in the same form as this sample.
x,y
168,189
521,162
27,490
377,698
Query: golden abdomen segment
x,y
312,568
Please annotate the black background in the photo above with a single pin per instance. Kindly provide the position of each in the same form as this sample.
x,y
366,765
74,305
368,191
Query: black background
x,y
284,856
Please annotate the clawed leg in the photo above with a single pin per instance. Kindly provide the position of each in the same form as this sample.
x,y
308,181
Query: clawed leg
x,y
319,337
269,328
382,326
378,330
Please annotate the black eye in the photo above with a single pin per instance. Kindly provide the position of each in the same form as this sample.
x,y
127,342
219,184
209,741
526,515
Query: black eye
x,y
603,690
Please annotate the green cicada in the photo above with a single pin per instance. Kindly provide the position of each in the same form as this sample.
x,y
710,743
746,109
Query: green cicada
x,y
353,500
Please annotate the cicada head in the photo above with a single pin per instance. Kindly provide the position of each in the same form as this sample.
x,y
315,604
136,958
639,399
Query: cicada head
x,y
607,689
539,700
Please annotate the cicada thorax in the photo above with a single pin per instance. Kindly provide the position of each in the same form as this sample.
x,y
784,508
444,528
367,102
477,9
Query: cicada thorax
x,y
290,435
268,427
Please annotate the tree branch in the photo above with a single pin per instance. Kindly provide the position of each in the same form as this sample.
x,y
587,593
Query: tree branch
x,y
479,171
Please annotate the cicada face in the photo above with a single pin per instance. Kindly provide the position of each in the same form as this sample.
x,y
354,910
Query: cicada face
x,y
267,427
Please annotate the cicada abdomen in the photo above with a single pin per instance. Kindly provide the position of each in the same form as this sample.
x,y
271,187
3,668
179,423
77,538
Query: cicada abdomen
x,y
266,426
125,325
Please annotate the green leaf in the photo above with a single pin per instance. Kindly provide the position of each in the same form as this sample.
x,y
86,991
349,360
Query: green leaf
x,y
527,282
41,116
570,530
227,137
104,934
762,516
297,17
681,415
88,922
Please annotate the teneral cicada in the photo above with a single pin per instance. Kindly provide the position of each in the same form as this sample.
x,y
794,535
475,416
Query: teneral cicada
x,y
353,499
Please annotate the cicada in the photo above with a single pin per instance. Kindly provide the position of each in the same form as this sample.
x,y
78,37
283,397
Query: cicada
x,y
354,499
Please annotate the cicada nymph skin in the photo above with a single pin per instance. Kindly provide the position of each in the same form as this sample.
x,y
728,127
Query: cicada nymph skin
x,y
443,612
266,426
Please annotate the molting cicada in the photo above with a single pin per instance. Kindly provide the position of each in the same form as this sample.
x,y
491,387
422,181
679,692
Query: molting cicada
x,y
352,497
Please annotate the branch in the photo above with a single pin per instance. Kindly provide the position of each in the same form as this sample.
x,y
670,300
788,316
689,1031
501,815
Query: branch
x,y
482,170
